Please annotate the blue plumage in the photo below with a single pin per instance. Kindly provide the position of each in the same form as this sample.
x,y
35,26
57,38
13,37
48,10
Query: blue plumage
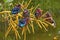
x,y
16,9
22,23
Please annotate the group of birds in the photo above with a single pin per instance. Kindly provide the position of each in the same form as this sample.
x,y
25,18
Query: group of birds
x,y
26,14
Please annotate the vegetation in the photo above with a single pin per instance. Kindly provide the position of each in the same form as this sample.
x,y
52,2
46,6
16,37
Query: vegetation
x,y
47,5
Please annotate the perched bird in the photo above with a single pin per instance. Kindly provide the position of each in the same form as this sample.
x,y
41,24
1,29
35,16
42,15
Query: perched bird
x,y
26,13
49,18
16,9
38,13
23,22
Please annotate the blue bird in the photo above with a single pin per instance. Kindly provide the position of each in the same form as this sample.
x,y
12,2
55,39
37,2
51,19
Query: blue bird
x,y
16,9
22,23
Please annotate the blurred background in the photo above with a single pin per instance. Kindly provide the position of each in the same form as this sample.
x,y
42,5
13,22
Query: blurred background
x,y
47,5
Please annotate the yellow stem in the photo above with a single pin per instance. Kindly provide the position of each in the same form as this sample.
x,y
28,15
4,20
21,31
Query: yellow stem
x,y
31,24
44,14
9,29
20,14
23,30
5,12
22,2
43,25
39,24
16,36
28,29
28,4
25,4
25,35
31,9
15,29
35,8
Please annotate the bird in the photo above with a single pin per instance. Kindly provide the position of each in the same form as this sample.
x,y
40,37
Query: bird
x,y
26,13
49,18
38,13
16,9
22,23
